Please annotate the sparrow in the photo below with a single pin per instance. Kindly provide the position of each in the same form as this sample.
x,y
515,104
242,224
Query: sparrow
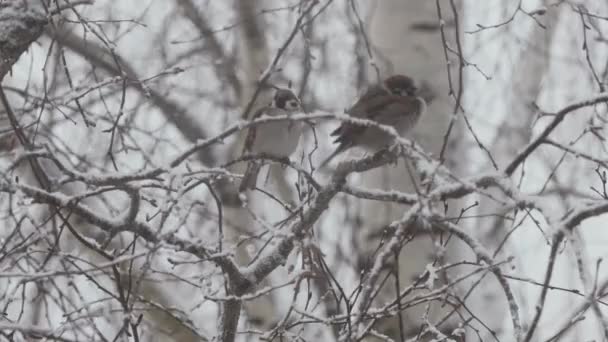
x,y
394,102
278,138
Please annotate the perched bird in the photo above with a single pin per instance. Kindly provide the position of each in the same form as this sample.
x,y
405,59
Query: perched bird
x,y
278,138
395,102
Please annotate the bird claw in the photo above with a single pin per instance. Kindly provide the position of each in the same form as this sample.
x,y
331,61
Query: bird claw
x,y
285,162
396,148
394,162
425,180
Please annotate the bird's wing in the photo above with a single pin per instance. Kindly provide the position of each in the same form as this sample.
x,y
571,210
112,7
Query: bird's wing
x,y
358,110
386,109
251,132
392,109
250,177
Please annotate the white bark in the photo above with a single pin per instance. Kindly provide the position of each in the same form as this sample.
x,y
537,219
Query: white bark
x,y
405,39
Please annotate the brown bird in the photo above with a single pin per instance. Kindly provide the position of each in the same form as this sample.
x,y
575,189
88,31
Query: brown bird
x,y
277,138
395,102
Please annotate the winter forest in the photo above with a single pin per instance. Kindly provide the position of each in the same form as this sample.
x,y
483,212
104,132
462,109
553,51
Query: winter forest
x,y
162,175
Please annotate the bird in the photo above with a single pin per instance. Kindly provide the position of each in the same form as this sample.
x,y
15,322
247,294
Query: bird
x,y
278,138
395,102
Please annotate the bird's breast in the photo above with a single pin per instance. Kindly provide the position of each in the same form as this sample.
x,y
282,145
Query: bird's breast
x,y
278,138
422,106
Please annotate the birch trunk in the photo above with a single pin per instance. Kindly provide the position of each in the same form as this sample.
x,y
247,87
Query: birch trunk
x,y
511,108
406,39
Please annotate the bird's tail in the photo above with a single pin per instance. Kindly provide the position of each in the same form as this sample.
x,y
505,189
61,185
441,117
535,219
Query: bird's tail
x,y
338,150
250,177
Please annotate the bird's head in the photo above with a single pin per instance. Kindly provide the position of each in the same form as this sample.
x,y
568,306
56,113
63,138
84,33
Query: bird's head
x,y
285,99
401,85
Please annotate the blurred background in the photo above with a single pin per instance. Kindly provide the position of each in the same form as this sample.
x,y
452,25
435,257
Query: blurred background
x,y
124,87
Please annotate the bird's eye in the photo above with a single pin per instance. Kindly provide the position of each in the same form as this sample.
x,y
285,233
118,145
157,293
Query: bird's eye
x,y
396,91
400,91
406,91
293,104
